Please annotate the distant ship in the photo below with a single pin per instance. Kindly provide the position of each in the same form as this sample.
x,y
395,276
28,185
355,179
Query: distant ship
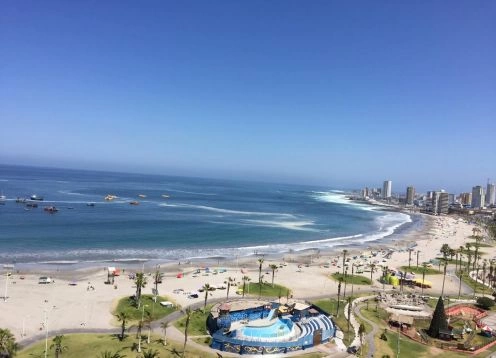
x,y
36,197
142,195
2,199
32,205
110,197
134,202
165,196
90,204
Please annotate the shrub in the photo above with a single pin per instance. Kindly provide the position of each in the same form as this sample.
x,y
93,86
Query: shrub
x,y
485,302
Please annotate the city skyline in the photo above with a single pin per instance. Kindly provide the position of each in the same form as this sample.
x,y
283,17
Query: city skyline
x,y
323,93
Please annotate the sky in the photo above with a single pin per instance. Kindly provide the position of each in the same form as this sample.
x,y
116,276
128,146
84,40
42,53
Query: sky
x,y
338,93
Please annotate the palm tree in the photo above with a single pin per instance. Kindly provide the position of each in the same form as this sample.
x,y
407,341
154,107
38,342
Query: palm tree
x,y
109,354
229,281
273,267
444,277
186,327
339,295
372,267
151,354
424,266
57,344
164,325
484,268
260,262
156,279
478,239
361,333
148,324
140,282
468,245
245,280
123,318
206,287
460,283
344,259
8,345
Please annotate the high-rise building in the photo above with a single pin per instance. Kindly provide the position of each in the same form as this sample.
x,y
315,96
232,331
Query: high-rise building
x,y
477,197
490,194
466,198
410,195
443,205
386,189
439,202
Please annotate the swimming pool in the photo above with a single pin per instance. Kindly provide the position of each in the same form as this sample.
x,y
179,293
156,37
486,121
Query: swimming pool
x,y
280,328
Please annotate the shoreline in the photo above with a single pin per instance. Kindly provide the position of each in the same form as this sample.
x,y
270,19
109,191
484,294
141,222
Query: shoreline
x,y
416,222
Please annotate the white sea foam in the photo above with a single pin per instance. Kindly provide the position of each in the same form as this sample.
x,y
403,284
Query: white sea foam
x,y
190,192
289,225
226,211
338,197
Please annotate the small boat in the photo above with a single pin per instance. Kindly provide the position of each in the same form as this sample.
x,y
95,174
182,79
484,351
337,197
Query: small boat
x,y
36,197
32,205
165,196
70,208
90,204
142,195
2,199
134,202
21,200
50,209
110,197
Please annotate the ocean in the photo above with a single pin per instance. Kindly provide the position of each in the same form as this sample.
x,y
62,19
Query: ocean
x,y
200,218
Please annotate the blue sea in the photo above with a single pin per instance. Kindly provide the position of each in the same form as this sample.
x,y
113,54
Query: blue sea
x,y
201,217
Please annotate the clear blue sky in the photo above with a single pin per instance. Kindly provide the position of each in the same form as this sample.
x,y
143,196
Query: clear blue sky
x,y
344,93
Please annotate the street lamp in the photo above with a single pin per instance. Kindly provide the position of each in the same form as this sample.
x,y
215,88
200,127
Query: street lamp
x,y
142,317
6,286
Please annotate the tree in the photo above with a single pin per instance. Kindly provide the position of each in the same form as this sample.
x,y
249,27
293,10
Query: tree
x,y
260,262
164,325
361,333
344,258
229,281
468,245
123,318
485,302
109,354
157,278
424,266
484,272
372,267
460,283
57,344
438,321
140,282
339,295
445,250
186,327
151,353
444,277
206,287
245,280
273,267
8,345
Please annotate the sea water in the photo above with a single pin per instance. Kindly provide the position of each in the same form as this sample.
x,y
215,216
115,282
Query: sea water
x,y
200,217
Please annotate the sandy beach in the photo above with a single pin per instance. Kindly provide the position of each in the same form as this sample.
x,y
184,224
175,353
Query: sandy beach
x,y
89,303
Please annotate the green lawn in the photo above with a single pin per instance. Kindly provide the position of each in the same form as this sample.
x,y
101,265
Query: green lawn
x,y
197,323
420,270
480,288
355,279
330,306
91,345
156,310
253,288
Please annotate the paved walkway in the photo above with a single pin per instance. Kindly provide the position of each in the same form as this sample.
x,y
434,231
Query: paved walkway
x,y
369,338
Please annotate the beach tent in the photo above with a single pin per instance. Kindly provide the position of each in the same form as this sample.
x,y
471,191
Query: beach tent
x,y
113,271
179,275
393,280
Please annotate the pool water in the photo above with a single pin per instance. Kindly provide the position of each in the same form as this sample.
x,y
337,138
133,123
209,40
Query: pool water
x,y
279,328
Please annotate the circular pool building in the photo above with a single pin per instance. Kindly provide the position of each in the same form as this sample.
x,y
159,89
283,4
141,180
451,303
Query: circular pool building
x,y
262,327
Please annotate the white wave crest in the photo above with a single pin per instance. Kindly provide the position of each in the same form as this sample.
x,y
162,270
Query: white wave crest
x,y
226,211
